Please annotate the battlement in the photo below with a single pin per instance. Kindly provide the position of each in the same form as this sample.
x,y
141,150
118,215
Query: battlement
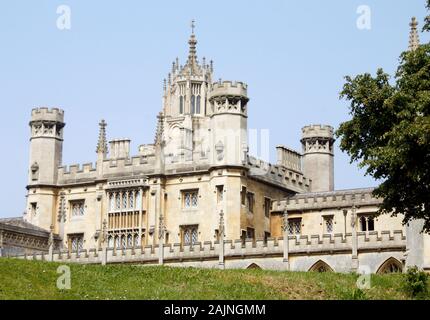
x,y
229,88
281,175
334,199
289,158
240,254
47,114
318,131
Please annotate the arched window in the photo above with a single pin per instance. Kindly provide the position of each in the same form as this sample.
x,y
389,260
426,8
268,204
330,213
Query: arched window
x,y
391,265
193,104
112,202
198,105
131,200
136,240
321,266
129,241
117,242
181,105
254,266
123,242
110,242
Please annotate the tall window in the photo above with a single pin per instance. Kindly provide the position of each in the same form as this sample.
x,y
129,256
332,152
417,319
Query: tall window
x,y
220,193
243,196
118,202
33,208
328,224
193,104
251,202
190,235
250,233
131,200
266,236
267,207
78,208
367,223
295,226
181,105
198,105
76,242
190,199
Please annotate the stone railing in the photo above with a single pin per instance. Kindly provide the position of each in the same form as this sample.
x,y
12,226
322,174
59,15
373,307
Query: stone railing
x,y
277,252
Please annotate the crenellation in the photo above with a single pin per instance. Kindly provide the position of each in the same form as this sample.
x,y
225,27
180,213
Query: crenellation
x,y
341,199
47,114
318,130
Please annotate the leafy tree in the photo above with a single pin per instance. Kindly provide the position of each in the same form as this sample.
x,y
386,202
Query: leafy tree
x,y
427,19
389,133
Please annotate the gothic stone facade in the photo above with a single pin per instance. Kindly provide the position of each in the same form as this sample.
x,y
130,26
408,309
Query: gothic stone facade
x,y
199,166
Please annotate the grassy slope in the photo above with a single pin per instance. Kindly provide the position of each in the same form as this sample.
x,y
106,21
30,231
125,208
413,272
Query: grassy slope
x,y
37,280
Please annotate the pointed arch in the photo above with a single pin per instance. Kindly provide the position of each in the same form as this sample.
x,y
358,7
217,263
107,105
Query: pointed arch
x,y
320,266
254,266
391,265
181,105
193,104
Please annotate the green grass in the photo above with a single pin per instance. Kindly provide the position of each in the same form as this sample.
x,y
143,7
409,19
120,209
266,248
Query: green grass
x,y
37,280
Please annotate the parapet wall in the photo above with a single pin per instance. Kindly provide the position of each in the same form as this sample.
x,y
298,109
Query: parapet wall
x,y
229,88
292,179
289,158
334,199
111,168
46,114
322,246
318,131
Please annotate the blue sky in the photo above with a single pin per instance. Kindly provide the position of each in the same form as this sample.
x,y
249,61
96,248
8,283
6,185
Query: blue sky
x,y
111,65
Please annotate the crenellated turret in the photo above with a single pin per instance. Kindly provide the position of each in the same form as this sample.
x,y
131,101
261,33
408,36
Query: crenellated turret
x,y
46,149
46,145
228,110
228,97
318,156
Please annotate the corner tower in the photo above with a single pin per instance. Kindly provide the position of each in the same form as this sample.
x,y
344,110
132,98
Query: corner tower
x,y
318,156
46,145
46,150
228,111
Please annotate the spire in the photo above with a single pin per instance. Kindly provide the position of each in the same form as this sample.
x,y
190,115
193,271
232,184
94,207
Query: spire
x,y
192,56
414,40
102,143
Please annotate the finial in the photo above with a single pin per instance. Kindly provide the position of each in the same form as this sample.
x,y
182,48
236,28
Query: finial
x,y
192,56
102,143
193,26
165,83
414,40
160,129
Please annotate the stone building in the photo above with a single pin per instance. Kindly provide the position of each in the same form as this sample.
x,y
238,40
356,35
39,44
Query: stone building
x,y
199,165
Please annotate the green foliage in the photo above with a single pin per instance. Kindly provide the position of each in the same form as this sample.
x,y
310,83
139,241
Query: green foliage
x,y
389,133
427,19
356,294
22,280
416,283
